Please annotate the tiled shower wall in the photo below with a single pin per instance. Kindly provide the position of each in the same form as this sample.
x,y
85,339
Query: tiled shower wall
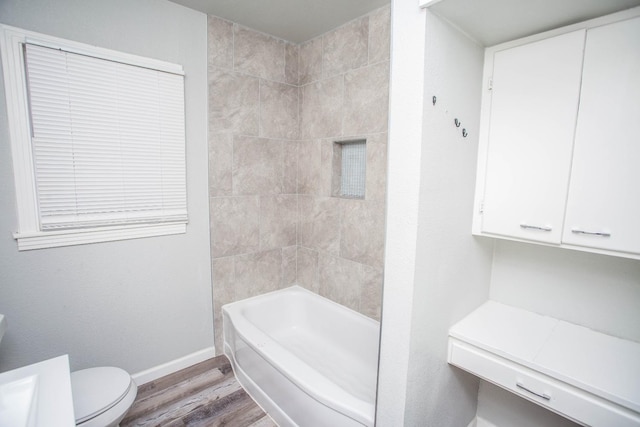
x,y
275,111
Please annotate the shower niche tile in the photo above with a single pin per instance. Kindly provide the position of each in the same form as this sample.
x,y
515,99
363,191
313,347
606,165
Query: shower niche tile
x,y
349,166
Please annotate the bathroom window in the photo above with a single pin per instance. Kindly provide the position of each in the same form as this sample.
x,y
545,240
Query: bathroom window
x,y
349,169
97,139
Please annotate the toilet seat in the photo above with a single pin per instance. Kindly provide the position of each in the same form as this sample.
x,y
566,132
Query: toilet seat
x,y
96,390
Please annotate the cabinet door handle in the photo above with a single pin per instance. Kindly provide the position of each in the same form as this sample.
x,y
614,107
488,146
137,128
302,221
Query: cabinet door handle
x,y
591,233
544,396
535,227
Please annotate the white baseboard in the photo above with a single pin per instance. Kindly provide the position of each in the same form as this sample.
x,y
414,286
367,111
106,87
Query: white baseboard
x,y
173,366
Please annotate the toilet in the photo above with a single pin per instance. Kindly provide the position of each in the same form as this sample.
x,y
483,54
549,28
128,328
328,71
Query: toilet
x,y
102,396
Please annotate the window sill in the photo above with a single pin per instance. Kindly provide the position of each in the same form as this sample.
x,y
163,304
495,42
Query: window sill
x,y
54,239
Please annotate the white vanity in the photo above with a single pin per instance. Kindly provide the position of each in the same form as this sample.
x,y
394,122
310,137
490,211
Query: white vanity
x,y
589,377
37,395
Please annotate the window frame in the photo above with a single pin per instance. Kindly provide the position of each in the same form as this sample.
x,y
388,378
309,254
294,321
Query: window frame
x,y
29,235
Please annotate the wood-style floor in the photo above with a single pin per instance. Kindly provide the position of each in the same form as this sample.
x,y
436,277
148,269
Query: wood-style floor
x,y
206,394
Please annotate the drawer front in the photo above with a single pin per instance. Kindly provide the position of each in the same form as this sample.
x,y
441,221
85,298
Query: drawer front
x,y
568,401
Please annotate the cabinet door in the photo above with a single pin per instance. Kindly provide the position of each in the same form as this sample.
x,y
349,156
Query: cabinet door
x,y
533,114
603,208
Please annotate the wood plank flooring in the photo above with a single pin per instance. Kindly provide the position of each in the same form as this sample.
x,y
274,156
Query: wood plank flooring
x,y
206,394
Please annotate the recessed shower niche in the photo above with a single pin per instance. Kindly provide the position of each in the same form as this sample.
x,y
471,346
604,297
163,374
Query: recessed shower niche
x,y
349,170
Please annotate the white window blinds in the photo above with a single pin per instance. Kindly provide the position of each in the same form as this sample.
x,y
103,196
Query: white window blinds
x,y
107,140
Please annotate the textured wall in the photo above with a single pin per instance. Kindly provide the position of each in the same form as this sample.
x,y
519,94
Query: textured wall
x,y
135,303
405,150
454,268
275,109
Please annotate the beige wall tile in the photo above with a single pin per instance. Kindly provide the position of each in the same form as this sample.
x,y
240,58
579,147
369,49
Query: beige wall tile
x,y
278,110
319,223
345,48
233,102
307,274
379,35
376,174
220,163
271,142
223,279
290,167
258,54
235,225
321,107
340,280
371,299
257,166
289,266
326,167
218,336
291,63
278,221
336,170
309,163
362,231
258,272
219,42
310,61
366,100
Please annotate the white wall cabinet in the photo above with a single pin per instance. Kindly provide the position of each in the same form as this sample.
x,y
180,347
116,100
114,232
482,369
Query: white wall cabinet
x,y
559,159
603,207
535,91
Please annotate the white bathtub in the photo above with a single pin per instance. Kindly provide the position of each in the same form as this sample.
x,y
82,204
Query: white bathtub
x,y
305,359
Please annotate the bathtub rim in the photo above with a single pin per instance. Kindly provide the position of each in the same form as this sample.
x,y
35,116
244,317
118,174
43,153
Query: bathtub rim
x,y
329,393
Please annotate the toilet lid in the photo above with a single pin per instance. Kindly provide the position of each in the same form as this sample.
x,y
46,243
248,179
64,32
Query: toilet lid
x,y
96,390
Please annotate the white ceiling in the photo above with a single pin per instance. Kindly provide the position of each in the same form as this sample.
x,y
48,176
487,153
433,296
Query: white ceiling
x,y
488,21
292,20
495,21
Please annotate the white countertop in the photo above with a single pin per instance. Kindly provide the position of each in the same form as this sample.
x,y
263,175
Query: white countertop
x,y
38,395
601,364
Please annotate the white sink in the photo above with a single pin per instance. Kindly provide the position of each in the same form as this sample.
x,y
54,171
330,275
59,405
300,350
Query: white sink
x,y
37,395
18,402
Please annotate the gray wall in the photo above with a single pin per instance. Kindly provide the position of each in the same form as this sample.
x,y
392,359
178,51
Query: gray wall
x,y
597,291
136,303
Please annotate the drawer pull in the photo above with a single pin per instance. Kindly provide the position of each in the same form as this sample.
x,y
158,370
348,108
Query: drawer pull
x,y
591,233
544,396
535,227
